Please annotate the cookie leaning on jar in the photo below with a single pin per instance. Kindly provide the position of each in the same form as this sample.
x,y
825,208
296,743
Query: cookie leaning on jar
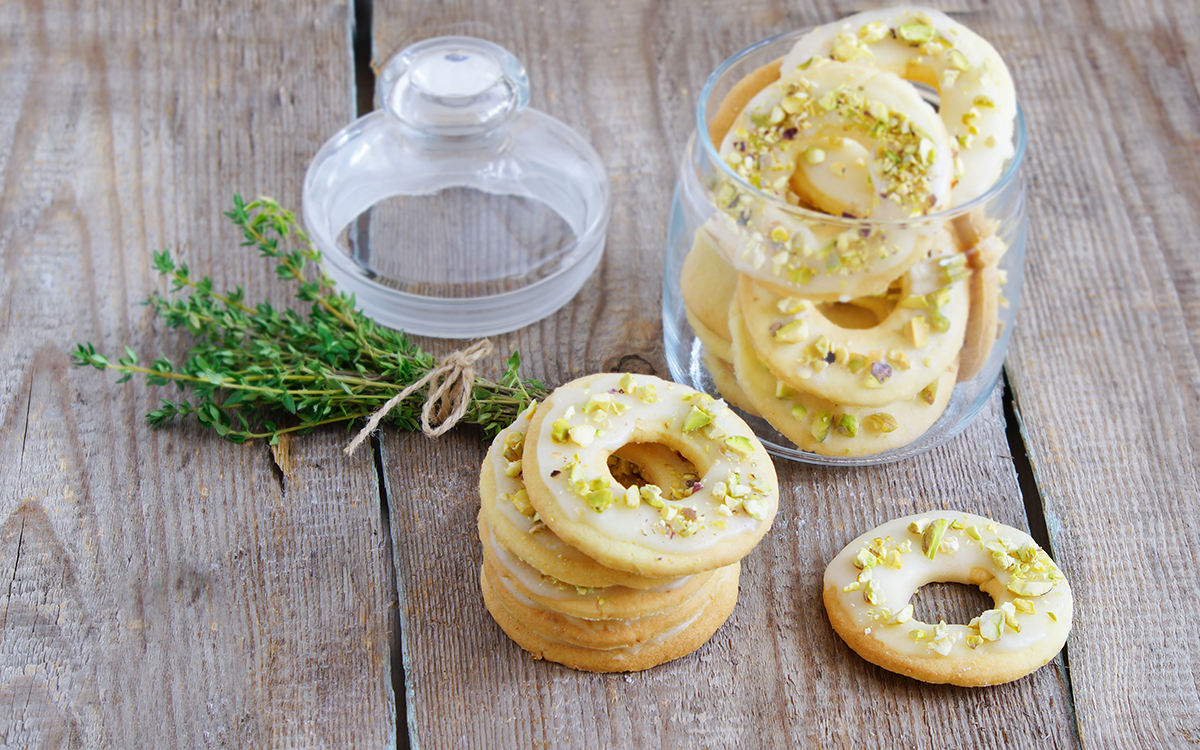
x,y
658,548
836,127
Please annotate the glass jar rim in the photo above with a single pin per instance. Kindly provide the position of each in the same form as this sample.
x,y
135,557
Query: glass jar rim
x,y
1011,169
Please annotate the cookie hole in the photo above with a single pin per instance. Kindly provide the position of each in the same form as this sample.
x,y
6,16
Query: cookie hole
x,y
850,315
956,603
640,464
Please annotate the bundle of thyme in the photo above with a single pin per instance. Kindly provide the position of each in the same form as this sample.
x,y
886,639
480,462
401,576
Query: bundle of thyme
x,y
259,372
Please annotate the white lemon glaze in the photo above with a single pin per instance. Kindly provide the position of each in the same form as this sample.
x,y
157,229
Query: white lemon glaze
x,y
962,558
978,100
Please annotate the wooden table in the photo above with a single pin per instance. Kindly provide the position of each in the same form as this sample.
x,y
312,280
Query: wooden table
x,y
167,588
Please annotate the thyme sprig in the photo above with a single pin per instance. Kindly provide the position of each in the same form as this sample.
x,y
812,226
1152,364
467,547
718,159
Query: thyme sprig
x,y
261,372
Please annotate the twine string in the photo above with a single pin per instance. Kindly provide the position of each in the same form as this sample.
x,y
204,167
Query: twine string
x,y
449,394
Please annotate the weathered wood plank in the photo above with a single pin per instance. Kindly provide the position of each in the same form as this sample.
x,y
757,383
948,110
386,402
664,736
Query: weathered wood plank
x,y
1105,369
167,588
627,75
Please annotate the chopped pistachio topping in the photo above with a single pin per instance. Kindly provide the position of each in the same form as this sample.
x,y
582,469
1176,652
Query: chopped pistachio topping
x,y
513,469
696,419
740,445
857,362
917,331
820,426
974,641
991,625
783,390
1024,606
928,394
847,425
1030,588
931,538
793,332
799,412
915,33
558,430
882,422
514,445
582,434
520,501
902,616
873,593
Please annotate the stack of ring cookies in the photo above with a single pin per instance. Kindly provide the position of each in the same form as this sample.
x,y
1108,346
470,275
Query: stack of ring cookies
x,y
832,296
613,518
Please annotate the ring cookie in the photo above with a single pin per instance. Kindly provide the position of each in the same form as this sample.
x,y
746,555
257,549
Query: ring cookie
x,y
826,428
868,586
504,505
712,524
978,102
889,362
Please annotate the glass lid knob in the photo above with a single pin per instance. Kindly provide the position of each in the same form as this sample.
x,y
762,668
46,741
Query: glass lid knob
x,y
453,86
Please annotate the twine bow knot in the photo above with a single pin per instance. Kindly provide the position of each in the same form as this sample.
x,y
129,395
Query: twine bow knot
x,y
450,386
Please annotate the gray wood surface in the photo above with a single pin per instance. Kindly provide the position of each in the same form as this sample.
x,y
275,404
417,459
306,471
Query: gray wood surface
x,y
168,589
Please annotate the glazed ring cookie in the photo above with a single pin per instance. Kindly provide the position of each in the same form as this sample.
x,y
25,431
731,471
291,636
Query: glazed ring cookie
x,y
829,429
601,603
505,508
908,165
868,586
712,524
978,100
874,108
886,363
671,643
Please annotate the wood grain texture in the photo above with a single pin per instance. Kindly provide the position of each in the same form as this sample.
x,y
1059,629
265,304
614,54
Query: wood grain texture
x,y
626,75
167,589
1105,367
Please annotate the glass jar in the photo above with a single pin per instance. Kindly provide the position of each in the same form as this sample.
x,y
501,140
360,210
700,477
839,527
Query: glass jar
x,y
715,209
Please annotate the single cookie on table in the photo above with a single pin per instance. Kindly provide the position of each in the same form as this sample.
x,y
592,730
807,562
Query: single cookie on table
x,y
672,643
596,633
504,504
875,366
714,524
602,603
869,585
827,428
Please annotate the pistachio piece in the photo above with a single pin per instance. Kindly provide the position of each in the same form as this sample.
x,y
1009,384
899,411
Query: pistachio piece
x,y
633,497
902,616
864,559
991,625
1010,616
882,422
558,430
872,592
599,500
696,419
520,501
931,538
814,155
916,33
959,61
974,641
848,425
856,363
928,394
918,526
582,434
917,331
799,412
914,302
973,532
793,332
1024,606
1030,588
783,390
740,444
513,469
820,426
881,371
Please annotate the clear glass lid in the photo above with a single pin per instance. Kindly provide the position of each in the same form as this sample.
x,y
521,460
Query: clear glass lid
x,y
456,211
